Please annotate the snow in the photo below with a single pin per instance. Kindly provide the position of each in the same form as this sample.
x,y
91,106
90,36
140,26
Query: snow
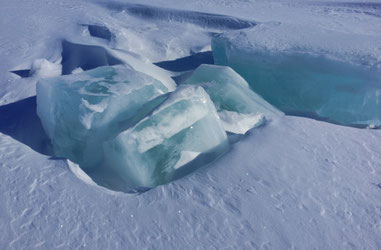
x,y
296,183
320,190
42,68
273,37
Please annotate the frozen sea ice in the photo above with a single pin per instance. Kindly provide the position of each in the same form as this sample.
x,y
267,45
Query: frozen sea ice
x,y
239,108
309,70
80,111
182,134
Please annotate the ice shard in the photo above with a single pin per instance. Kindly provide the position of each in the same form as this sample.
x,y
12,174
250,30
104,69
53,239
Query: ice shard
x,y
239,107
80,111
182,134
333,75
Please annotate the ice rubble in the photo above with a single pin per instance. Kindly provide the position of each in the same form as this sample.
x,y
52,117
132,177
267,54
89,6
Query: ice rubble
x,y
306,70
128,130
80,111
156,150
239,108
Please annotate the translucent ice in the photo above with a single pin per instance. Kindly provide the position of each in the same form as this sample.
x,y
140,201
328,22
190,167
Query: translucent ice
x,y
330,74
80,111
182,134
239,107
238,123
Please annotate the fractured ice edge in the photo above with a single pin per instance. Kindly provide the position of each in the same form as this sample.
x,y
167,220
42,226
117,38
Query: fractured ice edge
x,y
239,108
157,149
80,111
128,131
329,74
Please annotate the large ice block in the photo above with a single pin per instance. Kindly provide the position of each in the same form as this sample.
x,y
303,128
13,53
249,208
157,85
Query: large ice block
x,y
180,135
239,107
79,112
309,70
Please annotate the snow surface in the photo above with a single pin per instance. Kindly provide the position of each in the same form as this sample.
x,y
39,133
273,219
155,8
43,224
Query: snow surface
x,y
295,183
318,191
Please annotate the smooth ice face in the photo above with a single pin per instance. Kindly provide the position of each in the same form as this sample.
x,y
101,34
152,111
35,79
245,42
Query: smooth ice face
x,y
181,135
239,108
309,71
80,111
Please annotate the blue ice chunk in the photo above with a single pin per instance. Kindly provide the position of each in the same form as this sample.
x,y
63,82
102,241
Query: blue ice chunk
x,y
182,134
239,108
80,111
312,71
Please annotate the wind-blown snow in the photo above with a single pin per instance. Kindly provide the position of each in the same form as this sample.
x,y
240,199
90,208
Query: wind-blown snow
x,y
295,183
320,190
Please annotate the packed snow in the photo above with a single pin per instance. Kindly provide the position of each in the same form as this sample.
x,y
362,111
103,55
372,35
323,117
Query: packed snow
x,y
273,181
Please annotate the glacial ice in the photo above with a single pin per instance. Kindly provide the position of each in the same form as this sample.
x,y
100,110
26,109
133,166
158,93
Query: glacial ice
x,y
180,135
239,108
238,123
329,74
80,111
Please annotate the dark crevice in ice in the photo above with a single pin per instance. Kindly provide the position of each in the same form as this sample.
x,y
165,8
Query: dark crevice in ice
x,y
187,63
22,73
19,120
145,110
179,79
99,31
85,57
205,20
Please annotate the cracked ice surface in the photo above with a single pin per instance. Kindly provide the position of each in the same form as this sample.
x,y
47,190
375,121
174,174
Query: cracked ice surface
x,y
239,108
80,111
297,184
179,130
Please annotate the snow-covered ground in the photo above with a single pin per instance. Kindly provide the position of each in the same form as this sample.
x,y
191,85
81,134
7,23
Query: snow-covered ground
x,y
295,183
